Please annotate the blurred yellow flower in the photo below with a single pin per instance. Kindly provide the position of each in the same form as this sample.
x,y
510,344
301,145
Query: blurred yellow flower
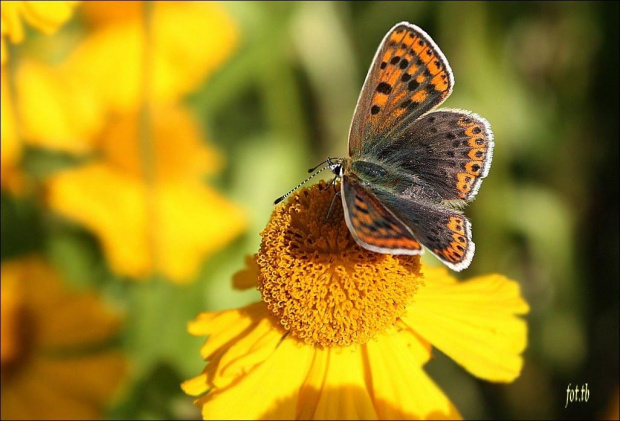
x,y
55,112
168,224
178,146
55,358
11,151
343,333
46,16
189,40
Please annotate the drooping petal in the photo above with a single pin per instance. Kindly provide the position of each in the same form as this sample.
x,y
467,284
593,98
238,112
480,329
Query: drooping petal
x,y
342,391
245,353
473,322
400,387
269,391
196,385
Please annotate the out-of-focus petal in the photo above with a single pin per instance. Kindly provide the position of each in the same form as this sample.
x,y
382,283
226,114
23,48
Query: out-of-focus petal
x,y
170,227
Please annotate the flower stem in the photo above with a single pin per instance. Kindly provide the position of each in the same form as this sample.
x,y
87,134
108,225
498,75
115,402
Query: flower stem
x,y
145,134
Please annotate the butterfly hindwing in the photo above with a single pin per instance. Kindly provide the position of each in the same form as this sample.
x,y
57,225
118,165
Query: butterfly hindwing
x,y
448,150
372,225
408,77
443,231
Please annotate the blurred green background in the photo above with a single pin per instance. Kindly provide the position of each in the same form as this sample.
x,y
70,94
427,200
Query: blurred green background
x,y
545,75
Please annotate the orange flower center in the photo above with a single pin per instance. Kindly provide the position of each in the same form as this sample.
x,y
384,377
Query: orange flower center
x,y
323,287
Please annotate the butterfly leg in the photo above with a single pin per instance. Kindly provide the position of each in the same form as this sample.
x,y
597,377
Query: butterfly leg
x,y
329,211
331,183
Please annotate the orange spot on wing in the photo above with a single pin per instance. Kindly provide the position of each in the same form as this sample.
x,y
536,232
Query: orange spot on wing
x,y
379,99
416,47
456,225
464,184
419,96
477,154
441,83
433,67
409,38
469,167
393,78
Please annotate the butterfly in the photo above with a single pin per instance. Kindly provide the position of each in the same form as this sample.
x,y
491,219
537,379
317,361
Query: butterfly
x,y
411,169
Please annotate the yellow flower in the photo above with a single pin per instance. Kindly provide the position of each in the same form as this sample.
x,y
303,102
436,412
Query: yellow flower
x,y
168,224
46,16
11,151
56,362
55,112
189,40
343,333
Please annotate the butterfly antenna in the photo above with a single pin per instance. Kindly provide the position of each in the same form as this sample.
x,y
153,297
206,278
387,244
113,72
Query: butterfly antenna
x,y
281,198
314,169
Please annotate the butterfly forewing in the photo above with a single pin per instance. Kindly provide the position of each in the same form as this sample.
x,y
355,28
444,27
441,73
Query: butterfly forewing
x,y
408,77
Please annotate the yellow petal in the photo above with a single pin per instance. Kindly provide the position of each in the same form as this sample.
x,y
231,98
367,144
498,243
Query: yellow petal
x,y
10,147
12,305
195,221
111,59
195,386
419,348
247,277
474,322
336,387
187,156
179,223
400,387
47,16
34,397
225,326
62,329
91,378
4,52
54,378
269,391
56,112
98,13
11,21
64,319
245,353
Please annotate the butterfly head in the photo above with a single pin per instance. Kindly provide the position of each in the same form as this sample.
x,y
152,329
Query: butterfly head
x,y
336,165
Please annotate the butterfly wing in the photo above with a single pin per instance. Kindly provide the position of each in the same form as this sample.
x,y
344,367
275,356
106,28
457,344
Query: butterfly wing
x,y
448,150
444,232
372,225
408,77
